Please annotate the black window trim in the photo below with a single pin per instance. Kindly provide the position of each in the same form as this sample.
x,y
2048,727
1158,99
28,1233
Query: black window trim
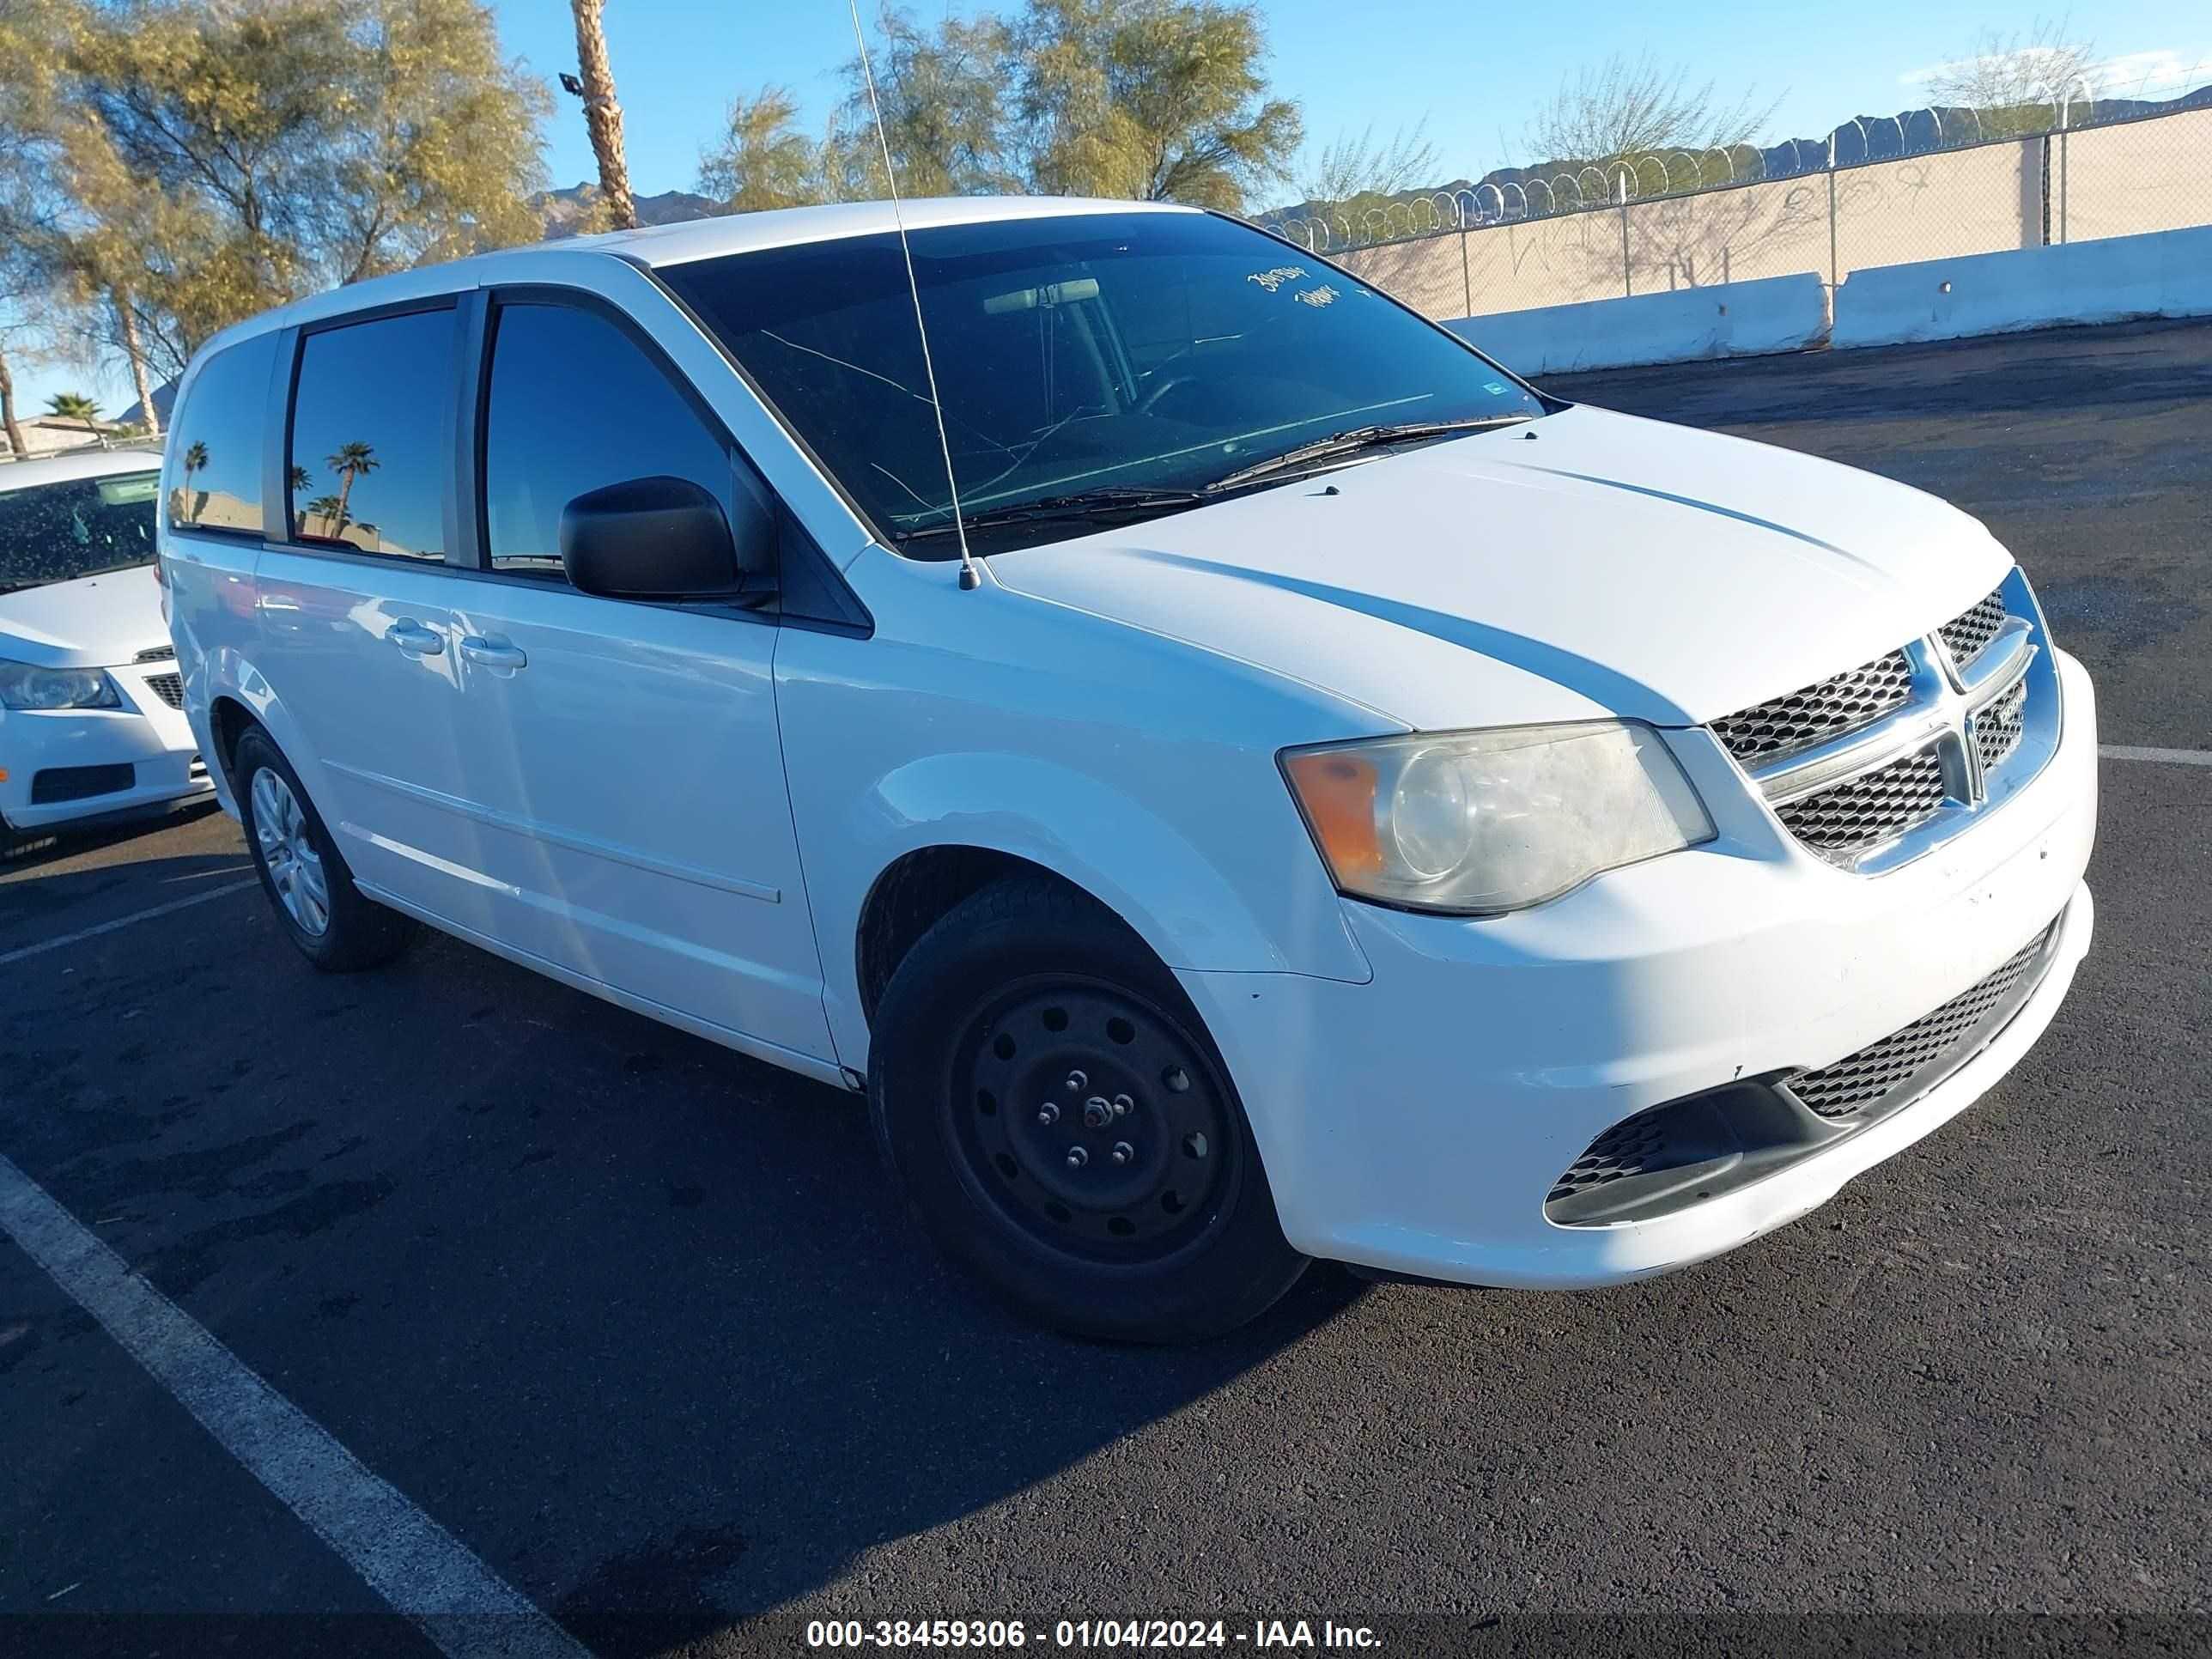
x,y
473,404
284,396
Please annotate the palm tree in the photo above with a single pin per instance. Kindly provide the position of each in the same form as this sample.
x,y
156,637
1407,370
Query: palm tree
x,y
331,510
352,461
298,479
195,460
75,406
602,114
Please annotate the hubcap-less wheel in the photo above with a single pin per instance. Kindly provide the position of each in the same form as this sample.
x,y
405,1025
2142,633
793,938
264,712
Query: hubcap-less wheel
x,y
1087,1118
295,869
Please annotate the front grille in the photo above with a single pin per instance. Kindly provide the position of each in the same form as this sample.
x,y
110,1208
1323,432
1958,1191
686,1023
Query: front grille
x,y
1632,1146
58,784
1842,703
1999,727
1968,635
157,653
1857,1082
1862,813
169,688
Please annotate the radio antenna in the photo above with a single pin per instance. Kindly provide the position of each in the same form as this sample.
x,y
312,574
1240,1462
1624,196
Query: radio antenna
x,y
969,577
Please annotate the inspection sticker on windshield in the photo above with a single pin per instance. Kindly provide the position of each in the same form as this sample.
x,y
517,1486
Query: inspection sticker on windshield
x,y
1272,280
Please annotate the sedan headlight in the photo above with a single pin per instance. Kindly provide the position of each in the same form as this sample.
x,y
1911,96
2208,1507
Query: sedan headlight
x,y
1479,823
23,686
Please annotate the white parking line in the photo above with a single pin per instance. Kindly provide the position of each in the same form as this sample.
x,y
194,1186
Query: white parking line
x,y
404,1556
2172,757
83,933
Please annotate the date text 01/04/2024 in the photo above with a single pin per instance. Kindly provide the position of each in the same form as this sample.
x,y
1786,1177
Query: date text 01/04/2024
x,y
1084,1635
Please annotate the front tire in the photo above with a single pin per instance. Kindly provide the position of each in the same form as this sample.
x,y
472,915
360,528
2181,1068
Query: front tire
x,y
1064,1128
303,871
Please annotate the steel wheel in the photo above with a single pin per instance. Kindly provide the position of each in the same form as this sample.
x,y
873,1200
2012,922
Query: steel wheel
x,y
288,854
1084,1114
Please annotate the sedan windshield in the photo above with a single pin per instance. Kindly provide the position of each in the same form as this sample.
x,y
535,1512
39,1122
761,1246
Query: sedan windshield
x,y
1090,365
57,533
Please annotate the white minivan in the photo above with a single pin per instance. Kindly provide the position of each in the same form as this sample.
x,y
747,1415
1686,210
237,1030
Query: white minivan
x,y
1355,806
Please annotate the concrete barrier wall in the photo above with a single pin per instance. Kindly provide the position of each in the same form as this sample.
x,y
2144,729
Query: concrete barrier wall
x,y
2166,274
1779,314
2123,179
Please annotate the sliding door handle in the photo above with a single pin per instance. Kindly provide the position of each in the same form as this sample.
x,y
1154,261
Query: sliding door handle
x,y
493,653
415,639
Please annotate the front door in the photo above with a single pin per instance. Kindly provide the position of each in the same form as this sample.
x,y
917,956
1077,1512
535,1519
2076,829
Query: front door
x,y
624,758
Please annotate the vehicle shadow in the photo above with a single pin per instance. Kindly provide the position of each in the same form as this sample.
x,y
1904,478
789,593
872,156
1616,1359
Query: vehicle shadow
x,y
54,885
640,1317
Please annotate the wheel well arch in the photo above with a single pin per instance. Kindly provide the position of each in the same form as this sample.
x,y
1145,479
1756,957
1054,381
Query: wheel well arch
x,y
230,719
917,888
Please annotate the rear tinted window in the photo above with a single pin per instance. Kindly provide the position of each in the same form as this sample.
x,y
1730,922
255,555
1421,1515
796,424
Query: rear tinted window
x,y
216,448
368,464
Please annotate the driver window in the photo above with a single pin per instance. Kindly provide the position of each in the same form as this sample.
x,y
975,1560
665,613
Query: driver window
x,y
574,404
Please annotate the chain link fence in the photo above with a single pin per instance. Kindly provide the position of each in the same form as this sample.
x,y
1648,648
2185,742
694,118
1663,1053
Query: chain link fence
x,y
2076,182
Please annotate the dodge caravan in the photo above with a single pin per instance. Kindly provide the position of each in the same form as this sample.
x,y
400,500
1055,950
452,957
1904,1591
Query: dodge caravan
x,y
1259,783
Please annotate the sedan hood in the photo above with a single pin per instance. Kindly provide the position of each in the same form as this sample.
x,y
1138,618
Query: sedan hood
x,y
1588,562
95,622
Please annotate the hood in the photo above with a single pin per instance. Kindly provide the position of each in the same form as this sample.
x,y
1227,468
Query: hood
x,y
1605,563
95,622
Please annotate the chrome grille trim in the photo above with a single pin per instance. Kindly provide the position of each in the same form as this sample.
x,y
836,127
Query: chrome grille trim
x,y
1999,726
1842,703
1869,810
1966,635
1874,791
1948,1034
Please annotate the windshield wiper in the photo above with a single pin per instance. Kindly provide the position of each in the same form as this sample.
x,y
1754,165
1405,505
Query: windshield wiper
x,y
1082,504
1340,444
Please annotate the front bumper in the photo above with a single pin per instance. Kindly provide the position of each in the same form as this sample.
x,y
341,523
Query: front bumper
x,y
147,735
1416,1123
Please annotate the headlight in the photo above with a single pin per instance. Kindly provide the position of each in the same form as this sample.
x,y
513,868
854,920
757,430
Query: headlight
x,y
23,686
1479,823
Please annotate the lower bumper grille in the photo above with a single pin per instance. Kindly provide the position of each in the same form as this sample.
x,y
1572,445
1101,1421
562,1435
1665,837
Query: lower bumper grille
x,y
58,784
1859,1081
1864,812
169,688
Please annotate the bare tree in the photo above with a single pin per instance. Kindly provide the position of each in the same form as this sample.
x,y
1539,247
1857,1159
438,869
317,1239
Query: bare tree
x,y
1628,107
594,83
2017,82
1362,165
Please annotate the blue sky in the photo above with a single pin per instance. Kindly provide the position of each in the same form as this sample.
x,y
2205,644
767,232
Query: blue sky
x,y
1474,70
1473,67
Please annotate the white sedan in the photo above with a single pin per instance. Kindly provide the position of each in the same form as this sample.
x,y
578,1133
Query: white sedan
x,y
92,724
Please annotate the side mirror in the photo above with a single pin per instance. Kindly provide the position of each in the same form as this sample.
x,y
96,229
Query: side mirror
x,y
657,538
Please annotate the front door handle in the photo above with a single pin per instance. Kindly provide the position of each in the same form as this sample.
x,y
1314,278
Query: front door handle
x,y
415,639
493,653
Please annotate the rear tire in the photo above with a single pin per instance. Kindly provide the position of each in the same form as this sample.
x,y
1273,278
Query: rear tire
x,y
308,884
1064,1128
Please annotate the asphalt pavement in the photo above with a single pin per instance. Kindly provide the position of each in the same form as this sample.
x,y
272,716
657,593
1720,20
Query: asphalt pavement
x,y
636,1323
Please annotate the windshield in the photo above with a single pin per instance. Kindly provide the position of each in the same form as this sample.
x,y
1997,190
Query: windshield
x,y
57,533
1126,353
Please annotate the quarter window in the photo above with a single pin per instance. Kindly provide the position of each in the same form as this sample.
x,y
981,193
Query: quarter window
x,y
575,405
368,464
216,450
